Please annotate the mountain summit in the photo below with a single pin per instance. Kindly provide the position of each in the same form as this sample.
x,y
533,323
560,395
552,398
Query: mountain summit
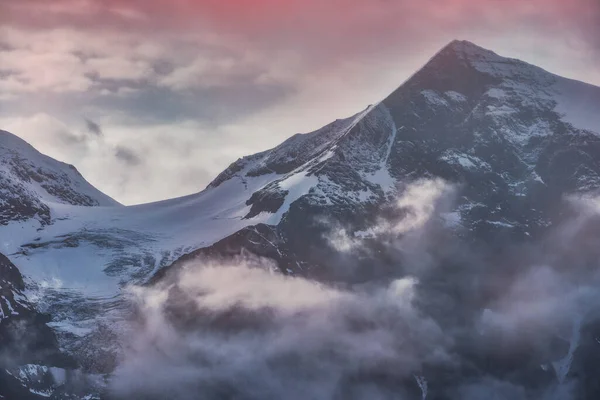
x,y
30,181
503,128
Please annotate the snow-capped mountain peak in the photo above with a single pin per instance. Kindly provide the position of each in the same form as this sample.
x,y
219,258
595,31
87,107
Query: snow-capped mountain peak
x,y
30,181
453,118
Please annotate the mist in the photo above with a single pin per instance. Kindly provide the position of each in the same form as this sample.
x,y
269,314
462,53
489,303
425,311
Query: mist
x,y
448,320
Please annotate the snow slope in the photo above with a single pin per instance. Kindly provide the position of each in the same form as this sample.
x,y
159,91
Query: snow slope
x,y
97,249
86,255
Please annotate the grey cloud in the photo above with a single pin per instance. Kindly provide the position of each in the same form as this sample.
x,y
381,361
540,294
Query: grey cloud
x,y
337,28
127,156
214,106
93,127
363,31
235,331
232,328
410,229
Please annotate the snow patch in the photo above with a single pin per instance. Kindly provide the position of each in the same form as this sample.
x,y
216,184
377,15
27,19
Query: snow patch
x,y
434,98
500,110
382,175
296,185
71,327
455,96
536,177
464,160
500,223
451,219
496,93
382,178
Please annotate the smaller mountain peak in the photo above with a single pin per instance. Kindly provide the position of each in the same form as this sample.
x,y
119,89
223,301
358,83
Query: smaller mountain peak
x,y
37,178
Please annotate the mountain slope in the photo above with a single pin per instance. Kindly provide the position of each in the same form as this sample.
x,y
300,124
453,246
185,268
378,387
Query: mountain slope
x,y
31,363
499,128
495,125
30,180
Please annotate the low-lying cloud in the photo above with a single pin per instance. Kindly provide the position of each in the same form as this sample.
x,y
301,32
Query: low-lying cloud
x,y
462,328
232,331
411,230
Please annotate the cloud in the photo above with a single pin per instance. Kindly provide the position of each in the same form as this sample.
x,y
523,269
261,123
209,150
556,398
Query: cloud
x,y
93,127
244,332
419,203
207,72
61,72
119,68
47,132
500,329
128,156
82,60
119,160
341,24
409,230
308,37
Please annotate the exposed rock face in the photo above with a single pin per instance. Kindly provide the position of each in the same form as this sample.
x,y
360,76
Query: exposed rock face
x,y
496,127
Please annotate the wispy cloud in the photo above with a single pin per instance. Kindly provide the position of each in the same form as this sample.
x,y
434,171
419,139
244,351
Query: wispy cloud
x,y
240,331
93,127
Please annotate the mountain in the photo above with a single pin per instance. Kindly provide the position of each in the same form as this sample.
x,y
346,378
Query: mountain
x,y
510,138
505,130
30,180
32,365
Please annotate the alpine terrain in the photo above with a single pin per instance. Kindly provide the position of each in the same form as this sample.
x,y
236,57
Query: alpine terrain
x,y
477,178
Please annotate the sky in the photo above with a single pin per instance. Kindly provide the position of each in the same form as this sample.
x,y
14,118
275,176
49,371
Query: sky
x,y
151,99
